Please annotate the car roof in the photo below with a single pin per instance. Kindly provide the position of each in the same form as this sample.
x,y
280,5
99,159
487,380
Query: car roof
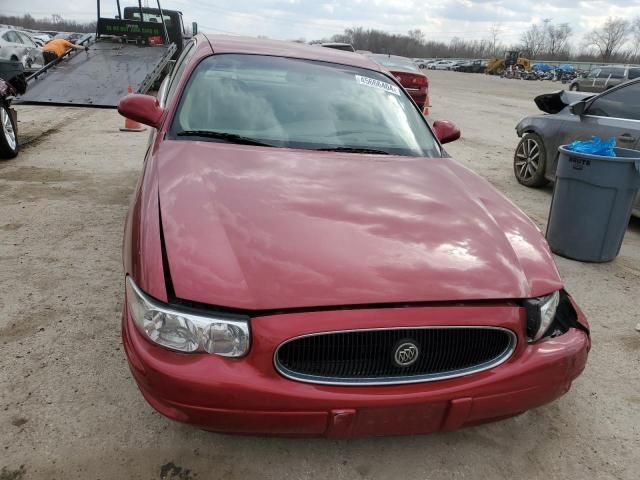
x,y
277,48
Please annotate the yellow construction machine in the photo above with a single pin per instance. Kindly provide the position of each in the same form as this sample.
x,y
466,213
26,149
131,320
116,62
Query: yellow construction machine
x,y
512,58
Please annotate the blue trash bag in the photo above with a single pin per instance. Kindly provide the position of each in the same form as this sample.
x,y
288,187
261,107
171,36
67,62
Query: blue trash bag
x,y
542,67
595,146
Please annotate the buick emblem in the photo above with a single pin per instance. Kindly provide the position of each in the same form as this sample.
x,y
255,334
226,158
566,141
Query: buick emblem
x,y
406,354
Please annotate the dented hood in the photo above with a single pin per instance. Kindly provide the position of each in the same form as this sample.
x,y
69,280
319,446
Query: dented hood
x,y
269,228
557,101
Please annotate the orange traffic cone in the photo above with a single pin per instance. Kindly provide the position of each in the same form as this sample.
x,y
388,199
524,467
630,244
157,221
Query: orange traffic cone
x,y
131,125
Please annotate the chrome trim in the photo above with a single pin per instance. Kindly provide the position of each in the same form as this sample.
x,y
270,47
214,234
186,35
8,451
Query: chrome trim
x,y
364,382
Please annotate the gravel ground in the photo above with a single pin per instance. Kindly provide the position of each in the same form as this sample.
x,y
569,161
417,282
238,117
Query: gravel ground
x,y
69,408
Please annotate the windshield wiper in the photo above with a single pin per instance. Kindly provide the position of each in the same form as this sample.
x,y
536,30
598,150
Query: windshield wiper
x,y
354,150
229,137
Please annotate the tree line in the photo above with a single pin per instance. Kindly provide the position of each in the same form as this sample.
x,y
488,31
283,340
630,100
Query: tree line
x,y
55,23
618,40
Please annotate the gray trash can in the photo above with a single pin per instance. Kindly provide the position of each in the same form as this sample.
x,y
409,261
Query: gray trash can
x,y
592,201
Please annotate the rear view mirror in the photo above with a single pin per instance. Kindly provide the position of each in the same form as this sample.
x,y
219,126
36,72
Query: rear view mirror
x,y
578,108
141,108
446,131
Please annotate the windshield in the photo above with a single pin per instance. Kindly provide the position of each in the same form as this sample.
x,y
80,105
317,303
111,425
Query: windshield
x,y
296,103
391,62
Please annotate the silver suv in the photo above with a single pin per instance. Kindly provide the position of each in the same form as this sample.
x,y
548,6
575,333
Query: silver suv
x,y
603,78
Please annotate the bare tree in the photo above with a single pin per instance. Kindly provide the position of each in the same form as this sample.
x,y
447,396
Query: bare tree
x,y
494,35
417,35
609,39
635,42
557,38
533,41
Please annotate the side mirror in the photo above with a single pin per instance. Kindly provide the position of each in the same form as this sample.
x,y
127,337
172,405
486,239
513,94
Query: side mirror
x,y
194,28
578,108
141,108
446,131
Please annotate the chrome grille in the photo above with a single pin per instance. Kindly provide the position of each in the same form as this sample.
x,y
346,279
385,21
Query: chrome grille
x,y
371,357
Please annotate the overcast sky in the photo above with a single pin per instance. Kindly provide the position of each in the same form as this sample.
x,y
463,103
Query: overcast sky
x,y
314,19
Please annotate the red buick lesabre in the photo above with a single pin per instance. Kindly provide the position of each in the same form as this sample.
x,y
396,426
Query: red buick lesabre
x,y
302,257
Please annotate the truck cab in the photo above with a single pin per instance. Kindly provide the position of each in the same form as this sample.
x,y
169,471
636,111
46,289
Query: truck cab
x,y
172,20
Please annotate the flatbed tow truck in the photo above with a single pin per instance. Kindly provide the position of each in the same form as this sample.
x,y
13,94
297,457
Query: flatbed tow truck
x,y
133,50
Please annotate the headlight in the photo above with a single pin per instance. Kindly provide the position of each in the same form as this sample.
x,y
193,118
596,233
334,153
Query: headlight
x,y
540,314
226,335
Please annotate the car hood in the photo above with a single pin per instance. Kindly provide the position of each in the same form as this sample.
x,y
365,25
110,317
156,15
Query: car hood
x,y
269,228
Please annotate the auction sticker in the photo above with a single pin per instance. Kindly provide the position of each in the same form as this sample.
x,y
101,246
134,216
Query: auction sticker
x,y
380,85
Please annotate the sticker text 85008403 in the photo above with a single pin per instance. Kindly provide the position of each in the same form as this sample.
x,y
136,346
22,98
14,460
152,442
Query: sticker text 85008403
x,y
379,84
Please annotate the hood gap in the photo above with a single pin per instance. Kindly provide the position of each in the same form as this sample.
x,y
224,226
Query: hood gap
x,y
168,283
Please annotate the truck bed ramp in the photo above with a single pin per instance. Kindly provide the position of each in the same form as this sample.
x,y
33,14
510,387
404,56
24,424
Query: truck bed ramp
x,y
99,77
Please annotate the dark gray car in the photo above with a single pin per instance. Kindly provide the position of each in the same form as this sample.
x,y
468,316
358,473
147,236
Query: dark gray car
x,y
601,79
575,116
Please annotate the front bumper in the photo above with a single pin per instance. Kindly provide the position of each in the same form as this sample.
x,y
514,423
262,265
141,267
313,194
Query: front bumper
x,y
248,396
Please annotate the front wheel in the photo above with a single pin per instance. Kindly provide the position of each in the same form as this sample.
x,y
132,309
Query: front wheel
x,y
529,161
8,139
574,87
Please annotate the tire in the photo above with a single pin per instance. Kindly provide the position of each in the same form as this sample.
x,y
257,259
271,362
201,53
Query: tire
x,y
8,137
574,87
529,161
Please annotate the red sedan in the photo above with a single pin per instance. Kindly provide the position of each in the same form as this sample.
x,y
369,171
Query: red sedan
x,y
409,75
302,257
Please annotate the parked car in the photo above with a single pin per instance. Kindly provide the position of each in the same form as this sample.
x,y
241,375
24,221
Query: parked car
x,y
17,45
12,83
459,66
346,47
302,257
408,74
39,38
69,36
603,78
472,66
573,116
442,65
430,62
39,42
422,62
8,124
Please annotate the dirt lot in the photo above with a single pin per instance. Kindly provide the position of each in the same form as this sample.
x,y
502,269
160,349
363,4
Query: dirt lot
x,y
69,408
